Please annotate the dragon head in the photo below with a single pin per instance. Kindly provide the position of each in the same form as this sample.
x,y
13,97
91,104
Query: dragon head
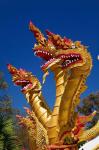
x,y
81,122
24,79
58,51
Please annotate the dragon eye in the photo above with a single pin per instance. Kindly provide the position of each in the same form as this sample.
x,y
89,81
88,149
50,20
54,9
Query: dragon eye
x,y
73,46
26,75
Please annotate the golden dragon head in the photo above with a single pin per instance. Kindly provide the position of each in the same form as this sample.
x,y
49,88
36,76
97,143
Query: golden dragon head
x,y
28,121
24,79
58,51
81,122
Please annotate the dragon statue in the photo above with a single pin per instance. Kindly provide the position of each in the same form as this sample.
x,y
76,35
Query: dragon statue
x,y
61,128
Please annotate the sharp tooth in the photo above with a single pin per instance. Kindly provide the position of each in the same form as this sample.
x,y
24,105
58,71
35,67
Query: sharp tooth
x,y
34,53
35,45
69,62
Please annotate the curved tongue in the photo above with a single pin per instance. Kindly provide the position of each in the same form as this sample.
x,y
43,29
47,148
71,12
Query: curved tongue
x,y
48,65
44,76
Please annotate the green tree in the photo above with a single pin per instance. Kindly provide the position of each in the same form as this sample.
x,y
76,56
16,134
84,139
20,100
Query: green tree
x,y
88,105
8,137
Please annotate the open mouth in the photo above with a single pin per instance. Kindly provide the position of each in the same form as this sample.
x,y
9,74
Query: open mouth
x,y
67,59
25,84
70,59
48,57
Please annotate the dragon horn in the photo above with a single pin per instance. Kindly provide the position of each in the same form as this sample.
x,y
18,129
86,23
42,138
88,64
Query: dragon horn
x,y
49,33
52,36
58,41
37,33
11,69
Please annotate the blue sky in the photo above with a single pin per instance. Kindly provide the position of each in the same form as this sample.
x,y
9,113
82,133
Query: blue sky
x,y
78,20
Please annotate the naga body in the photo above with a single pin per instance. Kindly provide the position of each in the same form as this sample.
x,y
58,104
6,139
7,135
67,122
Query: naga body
x,y
71,64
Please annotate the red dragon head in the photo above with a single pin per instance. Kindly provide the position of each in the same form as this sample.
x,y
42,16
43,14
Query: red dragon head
x,y
81,122
24,79
58,51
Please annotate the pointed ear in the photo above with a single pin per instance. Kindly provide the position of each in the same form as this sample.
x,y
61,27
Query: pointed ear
x,y
37,33
58,41
54,38
49,33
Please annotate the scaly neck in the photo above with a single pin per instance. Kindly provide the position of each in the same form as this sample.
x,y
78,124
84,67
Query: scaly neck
x,y
39,107
53,126
70,99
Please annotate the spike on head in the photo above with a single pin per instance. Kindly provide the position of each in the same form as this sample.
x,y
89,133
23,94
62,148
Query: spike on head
x,y
11,69
49,33
30,24
67,41
37,33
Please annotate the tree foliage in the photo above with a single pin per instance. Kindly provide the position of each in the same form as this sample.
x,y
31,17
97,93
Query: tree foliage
x,y
8,137
88,105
